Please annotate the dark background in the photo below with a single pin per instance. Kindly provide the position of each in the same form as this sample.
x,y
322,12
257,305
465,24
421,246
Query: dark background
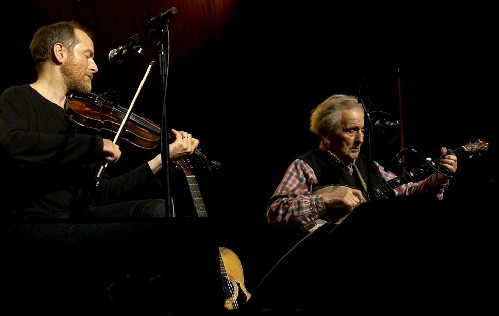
x,y
243,77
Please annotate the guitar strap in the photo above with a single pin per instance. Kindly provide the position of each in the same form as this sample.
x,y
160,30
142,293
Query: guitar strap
x,y
358,176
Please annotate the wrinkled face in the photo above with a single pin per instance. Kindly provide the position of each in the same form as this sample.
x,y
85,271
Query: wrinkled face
x,y
79,68
346,140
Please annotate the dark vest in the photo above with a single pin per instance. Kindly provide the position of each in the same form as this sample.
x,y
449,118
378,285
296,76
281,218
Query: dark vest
x,y
330,172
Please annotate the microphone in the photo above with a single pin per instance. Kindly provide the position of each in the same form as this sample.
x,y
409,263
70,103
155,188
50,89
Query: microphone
x,y
121,53
158,21
118,55
382,124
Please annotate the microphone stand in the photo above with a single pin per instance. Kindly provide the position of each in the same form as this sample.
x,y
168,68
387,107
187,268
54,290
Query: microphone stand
x,y
368,135
163,62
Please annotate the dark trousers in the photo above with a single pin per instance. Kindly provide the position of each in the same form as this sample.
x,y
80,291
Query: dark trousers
x,y
155,267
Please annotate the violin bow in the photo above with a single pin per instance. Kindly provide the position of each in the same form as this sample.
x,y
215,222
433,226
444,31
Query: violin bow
x,y
123,123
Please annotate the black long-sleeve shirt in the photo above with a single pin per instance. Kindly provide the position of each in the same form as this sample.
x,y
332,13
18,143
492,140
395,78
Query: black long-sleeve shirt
x,y
46,166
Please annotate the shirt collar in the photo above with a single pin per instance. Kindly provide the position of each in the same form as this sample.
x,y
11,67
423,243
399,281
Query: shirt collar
x,y
348,166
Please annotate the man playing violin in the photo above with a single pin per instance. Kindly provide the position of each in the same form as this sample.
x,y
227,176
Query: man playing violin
x,y
48,168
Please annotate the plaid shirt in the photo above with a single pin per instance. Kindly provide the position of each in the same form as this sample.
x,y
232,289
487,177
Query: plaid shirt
x,y
294,202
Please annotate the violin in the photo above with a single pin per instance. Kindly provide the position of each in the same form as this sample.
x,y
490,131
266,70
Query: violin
x,y
96,113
